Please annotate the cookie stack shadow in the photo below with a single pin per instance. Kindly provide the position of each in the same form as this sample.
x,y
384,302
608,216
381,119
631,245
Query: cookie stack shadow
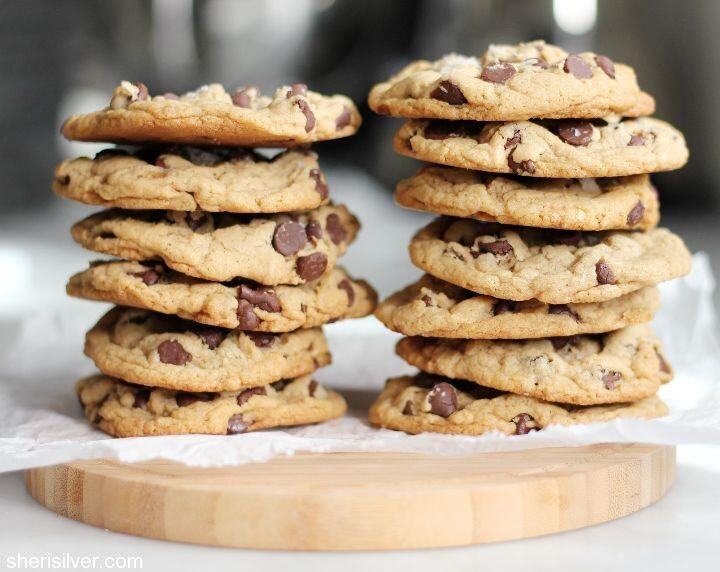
x,y
541,271
226,259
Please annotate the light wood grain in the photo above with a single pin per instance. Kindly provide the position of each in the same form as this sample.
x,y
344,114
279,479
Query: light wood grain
x,y
362,501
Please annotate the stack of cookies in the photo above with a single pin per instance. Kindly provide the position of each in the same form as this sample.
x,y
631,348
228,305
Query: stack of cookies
x,y
227,259
541,271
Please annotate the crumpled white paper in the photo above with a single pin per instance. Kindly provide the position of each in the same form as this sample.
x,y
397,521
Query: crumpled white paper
x,y
41,423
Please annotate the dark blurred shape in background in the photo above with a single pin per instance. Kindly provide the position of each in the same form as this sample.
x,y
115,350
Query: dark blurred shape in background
x,y
64,57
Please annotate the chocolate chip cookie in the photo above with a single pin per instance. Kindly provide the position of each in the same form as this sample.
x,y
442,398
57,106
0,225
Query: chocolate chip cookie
x,y
271,249
625,365
126,410
572,204
563,148
513,82
293,115
553,266
434,308
165,351
244,305
194,179
443,405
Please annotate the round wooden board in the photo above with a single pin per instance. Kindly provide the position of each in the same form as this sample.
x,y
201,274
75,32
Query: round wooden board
x,y
362,501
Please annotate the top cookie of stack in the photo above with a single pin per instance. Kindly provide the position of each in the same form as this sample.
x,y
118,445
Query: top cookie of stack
x,y
548,238
229,263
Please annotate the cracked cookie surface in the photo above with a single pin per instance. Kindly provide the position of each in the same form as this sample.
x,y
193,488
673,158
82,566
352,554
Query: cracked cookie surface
x,y
153,349
271,249
293,115
556,267
441,405
194,179
621,366
513,82
567,148
433,308
571,204
246,305
125,410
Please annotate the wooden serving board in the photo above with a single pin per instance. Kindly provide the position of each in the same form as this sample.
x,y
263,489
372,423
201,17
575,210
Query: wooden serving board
x,y
362,501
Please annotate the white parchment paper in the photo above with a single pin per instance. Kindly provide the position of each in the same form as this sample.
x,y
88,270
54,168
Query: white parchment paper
x,y
41,421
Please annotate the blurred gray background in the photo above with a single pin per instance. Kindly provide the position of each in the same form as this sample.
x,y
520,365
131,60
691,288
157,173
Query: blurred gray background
x,y
65,56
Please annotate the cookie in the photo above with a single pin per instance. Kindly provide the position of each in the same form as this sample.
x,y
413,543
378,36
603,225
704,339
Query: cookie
x,y
165,351
271,249
434,308
510,83
243,305
124,410
442,405
194,179
572,204
553,266
563,148
625,365
293,115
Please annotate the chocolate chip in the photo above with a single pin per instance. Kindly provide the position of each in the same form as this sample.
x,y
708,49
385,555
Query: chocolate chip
x,y
443,399
195,219
344,119
64,180
604,273
312,386
610,379
562,309
289,237
262,297
636,214
524,424
309,115
279,385
241,97
110,153
541,63
312,266
559,343
526,166
577,133
409,409
335,228
261,340
497,73
247,320
606,65
186,398
427,301
513,141
212,336
503,307
577,66
320,184
448,92
498,248
636,141
345,285
143,94
107,235
314,230
150,276
172,352
245,396
142,396
236,425
297,89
